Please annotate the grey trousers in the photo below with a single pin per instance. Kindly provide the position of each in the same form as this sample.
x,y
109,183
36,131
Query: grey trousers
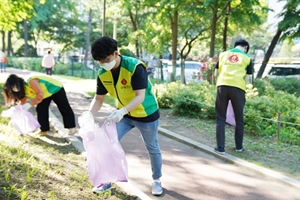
x,y
237,97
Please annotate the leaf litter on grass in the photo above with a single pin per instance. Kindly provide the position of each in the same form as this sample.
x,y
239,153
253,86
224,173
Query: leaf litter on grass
x,y
45,167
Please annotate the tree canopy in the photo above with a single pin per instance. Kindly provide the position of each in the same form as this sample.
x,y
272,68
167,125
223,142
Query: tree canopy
x,y
12,11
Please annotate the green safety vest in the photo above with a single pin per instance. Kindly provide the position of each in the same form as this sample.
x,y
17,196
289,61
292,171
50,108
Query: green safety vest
x,y
233,68
123,91
48,84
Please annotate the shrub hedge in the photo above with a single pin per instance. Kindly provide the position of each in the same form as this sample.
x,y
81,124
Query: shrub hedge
x,y
265,100
67,68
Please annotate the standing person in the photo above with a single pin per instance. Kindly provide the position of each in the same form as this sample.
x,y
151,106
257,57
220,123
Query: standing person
x,y
126,79
233,68
41,90
48,62
2,61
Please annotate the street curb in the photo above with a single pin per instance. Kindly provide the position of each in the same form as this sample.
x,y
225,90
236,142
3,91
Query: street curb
x,y
230,158
78,145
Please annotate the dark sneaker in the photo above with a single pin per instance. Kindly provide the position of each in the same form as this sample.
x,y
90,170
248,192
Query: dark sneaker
x,y
102,188
239,149
219,150
157,188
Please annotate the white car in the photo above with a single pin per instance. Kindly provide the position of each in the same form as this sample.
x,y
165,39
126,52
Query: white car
x,y
284,71
192,71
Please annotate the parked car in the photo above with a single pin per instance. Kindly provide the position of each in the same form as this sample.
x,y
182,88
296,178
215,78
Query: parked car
x,y
150,71
151,66
284,71
192,70
266,71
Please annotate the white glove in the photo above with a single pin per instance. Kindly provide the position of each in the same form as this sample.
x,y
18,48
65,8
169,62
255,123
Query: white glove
x,y
85,118
117,115
26,106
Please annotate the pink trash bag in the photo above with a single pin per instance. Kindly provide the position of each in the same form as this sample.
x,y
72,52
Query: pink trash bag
x,y
21,119
105,156
230,119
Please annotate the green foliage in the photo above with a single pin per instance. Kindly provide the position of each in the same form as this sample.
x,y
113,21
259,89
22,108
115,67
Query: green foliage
x,y
50,24
288,85
206,96
286,49
3,120
165,92
208,72
126,52
262,108
61,68
12,12
31,51
290,23
251,91
290,135
269,86
34,64
76,66
184,101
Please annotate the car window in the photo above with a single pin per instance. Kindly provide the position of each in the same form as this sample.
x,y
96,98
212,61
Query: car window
x,y
284,71
296,71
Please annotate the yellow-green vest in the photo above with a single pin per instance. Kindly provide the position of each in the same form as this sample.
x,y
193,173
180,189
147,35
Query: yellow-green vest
x,y
48,84
123,91
233,68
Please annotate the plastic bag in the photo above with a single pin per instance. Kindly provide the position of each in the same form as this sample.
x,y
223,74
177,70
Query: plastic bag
x,y
21,119
105,156
230,118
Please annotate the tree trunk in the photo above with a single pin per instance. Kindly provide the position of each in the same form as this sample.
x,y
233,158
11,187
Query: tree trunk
x,y
9,44
161,67
3,41
213,36
103,20
269,53
25,38
137,48
225,28
182,65
174,28
87,39
134,22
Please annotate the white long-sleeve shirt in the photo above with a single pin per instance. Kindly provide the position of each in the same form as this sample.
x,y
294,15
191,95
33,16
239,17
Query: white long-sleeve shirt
x,y
48,61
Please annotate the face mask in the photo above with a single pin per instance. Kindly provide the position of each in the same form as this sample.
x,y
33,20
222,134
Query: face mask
x,y
108,66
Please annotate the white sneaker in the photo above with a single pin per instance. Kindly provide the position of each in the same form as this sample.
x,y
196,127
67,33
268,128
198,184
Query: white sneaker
x,y
157,188
72,131
102,188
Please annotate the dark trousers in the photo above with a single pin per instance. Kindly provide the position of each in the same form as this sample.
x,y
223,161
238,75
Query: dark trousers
x,y
48,71
60,99
237,97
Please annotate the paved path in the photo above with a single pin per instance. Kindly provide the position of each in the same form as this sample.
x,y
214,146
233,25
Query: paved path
x,y
188,173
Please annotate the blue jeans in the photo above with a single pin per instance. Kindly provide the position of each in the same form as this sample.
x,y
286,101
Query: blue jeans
x,y
3,66
149,131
